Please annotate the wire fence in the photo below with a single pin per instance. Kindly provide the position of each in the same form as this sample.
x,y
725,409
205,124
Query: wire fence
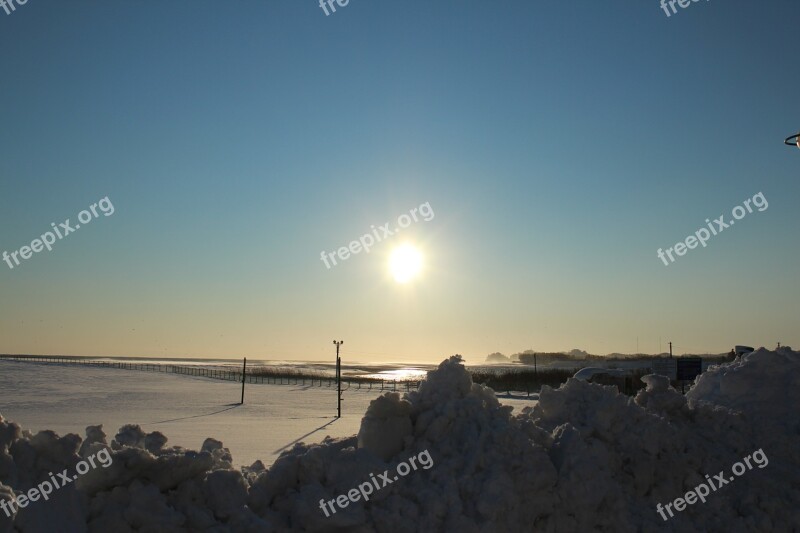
x,y
226,374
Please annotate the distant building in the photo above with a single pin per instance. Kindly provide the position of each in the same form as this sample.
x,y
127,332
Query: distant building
x,y
679,368
666,366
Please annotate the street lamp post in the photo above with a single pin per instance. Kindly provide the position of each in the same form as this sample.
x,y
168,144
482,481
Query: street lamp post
x,y
338,380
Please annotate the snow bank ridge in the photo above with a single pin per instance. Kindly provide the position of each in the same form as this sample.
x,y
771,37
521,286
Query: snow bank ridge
x,y
45,488
584,458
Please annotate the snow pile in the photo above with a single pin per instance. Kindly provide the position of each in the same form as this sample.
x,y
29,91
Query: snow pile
x,y
484,469
765,387
584,458
146,485
762,384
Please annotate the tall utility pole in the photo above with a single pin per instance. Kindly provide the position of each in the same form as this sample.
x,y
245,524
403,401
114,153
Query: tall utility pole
x,y
338,380
670,349
244,373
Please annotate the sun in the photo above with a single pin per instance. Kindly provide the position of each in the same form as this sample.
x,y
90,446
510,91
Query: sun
x,y
405,263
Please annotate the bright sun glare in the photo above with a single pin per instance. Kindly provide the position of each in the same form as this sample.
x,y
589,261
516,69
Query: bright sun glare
x,y
405,263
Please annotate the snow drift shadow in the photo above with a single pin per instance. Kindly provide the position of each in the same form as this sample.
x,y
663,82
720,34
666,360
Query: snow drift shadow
x,y
232,406
279,450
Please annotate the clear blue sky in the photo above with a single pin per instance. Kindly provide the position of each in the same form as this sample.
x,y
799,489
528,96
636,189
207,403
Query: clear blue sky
x,y
560,144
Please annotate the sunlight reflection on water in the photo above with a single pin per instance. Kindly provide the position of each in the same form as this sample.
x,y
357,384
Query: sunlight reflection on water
x,y
399,374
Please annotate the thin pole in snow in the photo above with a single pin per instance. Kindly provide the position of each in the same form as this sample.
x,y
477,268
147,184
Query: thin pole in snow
x,y
338,380
244,373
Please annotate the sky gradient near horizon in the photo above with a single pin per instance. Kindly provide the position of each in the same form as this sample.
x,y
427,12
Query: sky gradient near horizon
x,y
559,146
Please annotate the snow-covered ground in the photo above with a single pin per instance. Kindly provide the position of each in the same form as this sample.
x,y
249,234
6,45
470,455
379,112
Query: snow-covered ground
x,y
68,398
581,458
